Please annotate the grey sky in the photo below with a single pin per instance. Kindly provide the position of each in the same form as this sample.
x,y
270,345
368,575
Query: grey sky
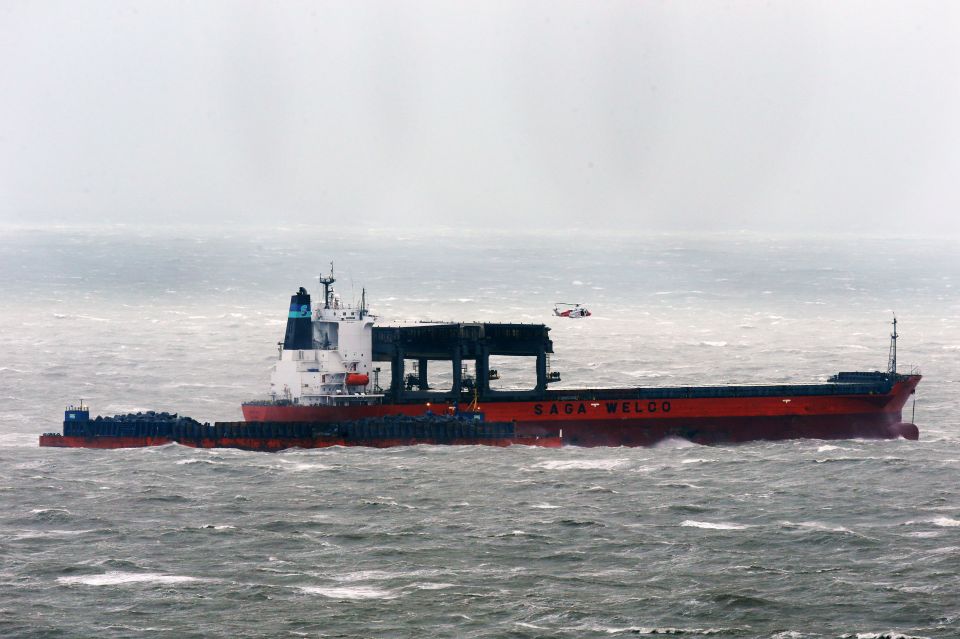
x,y
641,115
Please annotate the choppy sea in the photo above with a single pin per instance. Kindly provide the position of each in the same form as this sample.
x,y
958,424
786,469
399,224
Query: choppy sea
x,y
787,540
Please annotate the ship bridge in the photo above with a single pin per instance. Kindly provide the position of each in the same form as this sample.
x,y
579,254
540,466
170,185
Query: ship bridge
x,y
458,343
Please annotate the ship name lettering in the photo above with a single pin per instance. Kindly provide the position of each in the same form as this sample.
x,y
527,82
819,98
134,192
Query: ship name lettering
x,y
636,407
566,408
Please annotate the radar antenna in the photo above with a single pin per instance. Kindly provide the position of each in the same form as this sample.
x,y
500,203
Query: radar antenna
x,y
327,282
892,361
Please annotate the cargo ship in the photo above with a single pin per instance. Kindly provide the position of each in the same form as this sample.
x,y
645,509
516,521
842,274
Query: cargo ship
x,y
325,390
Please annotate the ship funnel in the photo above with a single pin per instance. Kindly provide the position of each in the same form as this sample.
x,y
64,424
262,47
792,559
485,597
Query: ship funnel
x,y
299,334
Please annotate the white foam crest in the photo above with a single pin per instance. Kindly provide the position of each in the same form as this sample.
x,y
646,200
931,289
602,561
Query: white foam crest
x,y
18,440
368,575
380,500
690,523
581,464
925,534
383,575
816,525
696,460
644,373
186,462
349,592
946,522
640,630
601,489
118,578
299,467
432,586
826,447
544,506
674,442
890,634
43,534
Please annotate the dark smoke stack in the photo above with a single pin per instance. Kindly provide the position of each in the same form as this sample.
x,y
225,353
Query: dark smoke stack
x,y
299,331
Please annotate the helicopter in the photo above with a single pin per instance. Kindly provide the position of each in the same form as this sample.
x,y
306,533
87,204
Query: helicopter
x,y
572,310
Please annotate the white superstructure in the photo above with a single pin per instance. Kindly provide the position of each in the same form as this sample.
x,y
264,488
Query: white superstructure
x,y
337,369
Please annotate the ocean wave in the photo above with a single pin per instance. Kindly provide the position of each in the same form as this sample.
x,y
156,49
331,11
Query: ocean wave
x,y
580,523
674,442
644,373
119,578
46,534
886,459
385,501
653,631
298,467
384,575
349,592
524,624
432,586
51,514
945,522
601,489
582,464
713,525
18,440
817,526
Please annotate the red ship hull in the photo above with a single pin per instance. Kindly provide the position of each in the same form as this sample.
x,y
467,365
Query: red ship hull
x,y
635,422
578,418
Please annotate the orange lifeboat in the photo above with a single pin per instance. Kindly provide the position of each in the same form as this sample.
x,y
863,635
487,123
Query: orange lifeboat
x,y
357,379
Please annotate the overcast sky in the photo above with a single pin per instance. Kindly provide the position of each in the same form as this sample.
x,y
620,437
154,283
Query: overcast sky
x,y
783,116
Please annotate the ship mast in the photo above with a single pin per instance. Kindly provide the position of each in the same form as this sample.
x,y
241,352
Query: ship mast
x,y
326,282
892,361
